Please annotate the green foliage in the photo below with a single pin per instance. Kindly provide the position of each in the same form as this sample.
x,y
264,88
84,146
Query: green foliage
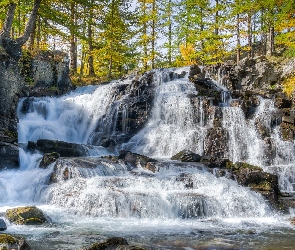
x,y
25,64
115,37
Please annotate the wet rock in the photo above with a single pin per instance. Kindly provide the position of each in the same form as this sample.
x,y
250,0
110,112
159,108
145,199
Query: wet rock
x,y
46,73
9,242
3,226
256,73
107,143
186,156
134,159
131,114
287,131
9,156
11,84
216,143
254,177
289,119
64,149
48,159
281,103
111,243
26,216
75,167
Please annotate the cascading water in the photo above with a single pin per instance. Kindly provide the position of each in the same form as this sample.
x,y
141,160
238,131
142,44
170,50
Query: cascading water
x,y
176,199
173,125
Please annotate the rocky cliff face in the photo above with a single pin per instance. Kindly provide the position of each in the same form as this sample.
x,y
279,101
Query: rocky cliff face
x,y
44,74
11,84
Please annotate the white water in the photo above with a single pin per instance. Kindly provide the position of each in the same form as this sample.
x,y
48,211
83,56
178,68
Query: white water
x,y
139,200
173,126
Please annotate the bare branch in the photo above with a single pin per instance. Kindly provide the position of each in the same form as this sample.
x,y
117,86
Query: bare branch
x,y
5,32
30,24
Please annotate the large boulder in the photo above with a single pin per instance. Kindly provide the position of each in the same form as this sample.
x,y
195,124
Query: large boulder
x,y
26,216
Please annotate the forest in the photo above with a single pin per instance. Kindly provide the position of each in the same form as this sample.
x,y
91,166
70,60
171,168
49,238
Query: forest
x,y
108,39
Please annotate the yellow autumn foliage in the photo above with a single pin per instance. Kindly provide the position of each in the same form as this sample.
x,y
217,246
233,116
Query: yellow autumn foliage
x,y
187,51
289,85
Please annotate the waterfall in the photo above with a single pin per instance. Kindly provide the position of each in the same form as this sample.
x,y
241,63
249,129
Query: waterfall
x,y
176,122
157,115
173,192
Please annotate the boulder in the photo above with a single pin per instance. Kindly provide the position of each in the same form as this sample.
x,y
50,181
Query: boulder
x,y
111,243
64,149
26,216
3,226
114,243
186,156
10,242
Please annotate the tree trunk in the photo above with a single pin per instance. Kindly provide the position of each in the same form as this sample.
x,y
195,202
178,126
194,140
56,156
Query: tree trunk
x,y
270,42
111,43
73,46
90,47
5,32
145,46
217,19
30,24
249,31
170,35
32,38
153,33
238,39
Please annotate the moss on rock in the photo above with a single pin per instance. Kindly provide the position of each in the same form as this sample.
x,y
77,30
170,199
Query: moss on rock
x,y
7,239
26,216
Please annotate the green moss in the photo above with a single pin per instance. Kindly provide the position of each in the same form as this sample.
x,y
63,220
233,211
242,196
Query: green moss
x,y
25,216
236,167
25,64
7,239
11,134
262,186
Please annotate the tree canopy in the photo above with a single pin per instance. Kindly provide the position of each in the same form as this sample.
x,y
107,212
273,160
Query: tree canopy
x,y
107,39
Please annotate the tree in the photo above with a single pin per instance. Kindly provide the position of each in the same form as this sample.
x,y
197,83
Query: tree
x,y
5,33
